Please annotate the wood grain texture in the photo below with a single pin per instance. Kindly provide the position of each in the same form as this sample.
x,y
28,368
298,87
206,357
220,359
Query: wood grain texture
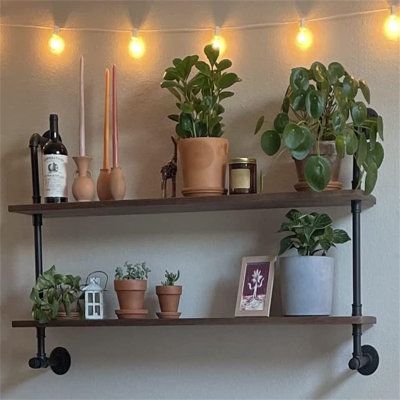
x,y
185,204
335,320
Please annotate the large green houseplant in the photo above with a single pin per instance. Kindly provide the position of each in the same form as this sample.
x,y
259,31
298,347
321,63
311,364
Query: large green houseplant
x,y
307,278
320,106
55,296
199,88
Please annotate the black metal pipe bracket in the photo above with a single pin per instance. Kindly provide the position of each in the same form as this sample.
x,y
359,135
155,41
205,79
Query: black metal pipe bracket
x,y
365,358
59,360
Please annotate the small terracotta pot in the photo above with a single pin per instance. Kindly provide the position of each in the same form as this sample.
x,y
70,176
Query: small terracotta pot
x,y
328,150
73,314
169,297
130,293
203,162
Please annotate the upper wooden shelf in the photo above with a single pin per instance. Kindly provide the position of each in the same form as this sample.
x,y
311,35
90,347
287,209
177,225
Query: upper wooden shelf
x,y
196,204
333,320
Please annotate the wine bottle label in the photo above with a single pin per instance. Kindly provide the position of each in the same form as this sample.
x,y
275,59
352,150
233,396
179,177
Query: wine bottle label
x,y
55,175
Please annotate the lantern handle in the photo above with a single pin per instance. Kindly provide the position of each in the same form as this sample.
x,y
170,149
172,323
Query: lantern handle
x,y
97,272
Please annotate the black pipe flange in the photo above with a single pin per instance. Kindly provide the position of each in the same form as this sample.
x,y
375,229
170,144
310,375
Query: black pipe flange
x,y
372,365
60,360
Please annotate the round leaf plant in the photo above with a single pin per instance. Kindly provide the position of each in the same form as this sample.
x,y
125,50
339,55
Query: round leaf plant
x,y
321,104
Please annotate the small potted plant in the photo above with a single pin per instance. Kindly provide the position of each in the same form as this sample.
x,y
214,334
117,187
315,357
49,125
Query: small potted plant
x,y
307,279
320,122
130,284
203,152
169,296
55,296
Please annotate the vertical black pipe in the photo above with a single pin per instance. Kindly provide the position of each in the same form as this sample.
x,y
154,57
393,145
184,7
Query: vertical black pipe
x,y
35,144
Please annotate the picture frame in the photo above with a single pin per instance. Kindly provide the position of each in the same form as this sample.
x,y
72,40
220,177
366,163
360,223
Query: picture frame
x,y
255,286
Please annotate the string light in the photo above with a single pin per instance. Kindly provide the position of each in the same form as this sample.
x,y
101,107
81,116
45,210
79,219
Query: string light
x,y
392,24
136,45
56,42
218,42
304,36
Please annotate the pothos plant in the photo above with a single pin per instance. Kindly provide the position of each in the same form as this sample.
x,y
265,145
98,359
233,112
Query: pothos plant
x,y
130,271
310,234
199,93
51,291
320,104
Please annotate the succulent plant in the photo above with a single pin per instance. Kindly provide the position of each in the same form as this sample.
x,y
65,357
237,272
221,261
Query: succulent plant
x,y
130,271
170,278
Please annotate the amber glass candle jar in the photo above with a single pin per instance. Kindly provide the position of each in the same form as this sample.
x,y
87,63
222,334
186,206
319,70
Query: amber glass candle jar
x,y
242,176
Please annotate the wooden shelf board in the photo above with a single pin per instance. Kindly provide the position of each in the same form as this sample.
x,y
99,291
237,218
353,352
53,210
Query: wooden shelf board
x,y
334,320
196,204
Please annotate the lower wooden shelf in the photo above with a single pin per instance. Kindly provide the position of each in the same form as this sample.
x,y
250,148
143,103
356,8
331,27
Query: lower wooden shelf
x,y
334,320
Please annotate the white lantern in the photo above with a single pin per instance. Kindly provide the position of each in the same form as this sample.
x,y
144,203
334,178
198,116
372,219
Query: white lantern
x,y
93,299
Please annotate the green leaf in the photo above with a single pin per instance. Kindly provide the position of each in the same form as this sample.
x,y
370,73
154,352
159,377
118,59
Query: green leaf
x,y
298,99
259,124
335,72
317,172
351,141
174,117
340,143
362,151
358,112
340,236
174,92
338,121
270,142
303,149
377,154
299,79
315,104
280,122
379,122
350,86
293,136
211,53
371,176
319,71
204,68
322,221
286,104
217,130
227,80
293,214
224,95
171,74
286,244
365,90
224,64
186,122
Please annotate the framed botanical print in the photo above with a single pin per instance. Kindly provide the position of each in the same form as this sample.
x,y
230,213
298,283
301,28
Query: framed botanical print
x,y
255,286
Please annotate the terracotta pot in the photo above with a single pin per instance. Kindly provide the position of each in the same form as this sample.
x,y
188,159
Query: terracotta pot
x,y
73,314
328,150
169,297
130,293
203,162
131,314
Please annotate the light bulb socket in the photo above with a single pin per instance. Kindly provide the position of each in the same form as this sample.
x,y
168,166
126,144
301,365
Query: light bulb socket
x,y
56,29
135,32
217,31
302,23
393,9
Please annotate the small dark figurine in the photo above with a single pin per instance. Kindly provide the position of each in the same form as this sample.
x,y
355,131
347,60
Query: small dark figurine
x,y
168,171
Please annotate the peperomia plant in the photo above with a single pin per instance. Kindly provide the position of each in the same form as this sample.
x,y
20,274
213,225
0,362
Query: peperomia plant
x,y
320,104
137,271
200,94
310,233
170,278
51,291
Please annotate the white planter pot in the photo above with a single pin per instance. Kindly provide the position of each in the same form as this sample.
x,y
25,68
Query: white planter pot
x,y
306,285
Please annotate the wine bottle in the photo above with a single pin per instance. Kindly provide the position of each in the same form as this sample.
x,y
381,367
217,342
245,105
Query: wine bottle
x,y
55,159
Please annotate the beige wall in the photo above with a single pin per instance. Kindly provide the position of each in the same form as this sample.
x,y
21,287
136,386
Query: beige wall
x,y
189,362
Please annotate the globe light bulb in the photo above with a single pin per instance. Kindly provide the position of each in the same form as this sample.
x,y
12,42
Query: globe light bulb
x,y
304,37
392,25
56,42
136,46
218,42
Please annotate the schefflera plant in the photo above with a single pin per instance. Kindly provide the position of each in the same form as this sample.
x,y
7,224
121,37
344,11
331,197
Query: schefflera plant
x,y
199,93
320,105
310,234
